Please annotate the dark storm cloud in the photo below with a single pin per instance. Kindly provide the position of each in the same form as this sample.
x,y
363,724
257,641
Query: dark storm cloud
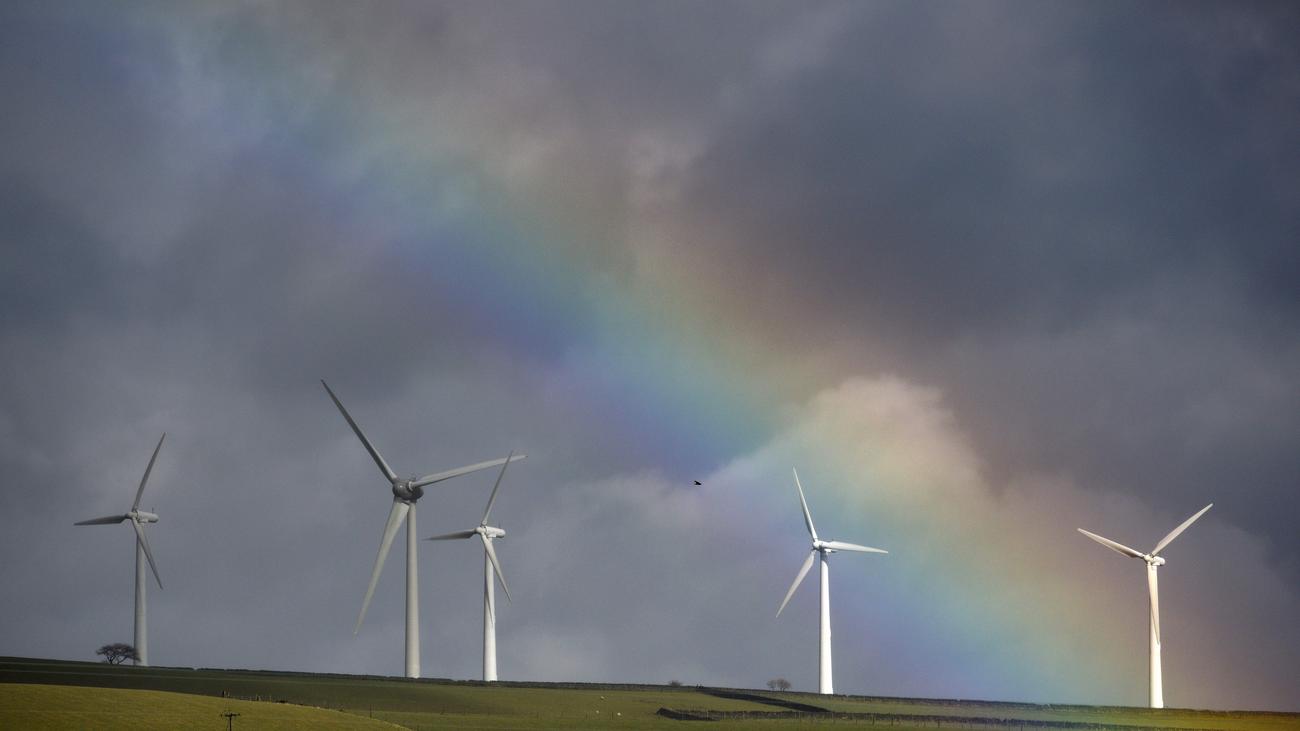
x,y
1077,222
946,183
203,297
1075,218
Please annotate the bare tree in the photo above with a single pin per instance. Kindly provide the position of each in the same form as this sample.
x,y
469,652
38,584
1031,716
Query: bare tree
x,y
778,684
117,653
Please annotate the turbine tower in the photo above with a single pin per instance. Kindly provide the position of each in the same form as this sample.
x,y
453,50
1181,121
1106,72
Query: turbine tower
x,y
487,534
823,549
1154,561
406,491
138,518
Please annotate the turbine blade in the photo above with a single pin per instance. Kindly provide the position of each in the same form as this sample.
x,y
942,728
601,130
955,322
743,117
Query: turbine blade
x,y
144,543
106,520
374,453
395,518
496,565
453,536
493,498
807,516
842,546
440,476
140,491
1155,603
807,564
1176,531
1112,545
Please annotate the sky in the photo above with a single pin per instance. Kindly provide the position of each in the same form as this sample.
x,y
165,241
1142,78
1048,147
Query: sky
x,y
984,273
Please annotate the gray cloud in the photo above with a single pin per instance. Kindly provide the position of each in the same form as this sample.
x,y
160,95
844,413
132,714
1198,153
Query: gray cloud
x,y
1077,223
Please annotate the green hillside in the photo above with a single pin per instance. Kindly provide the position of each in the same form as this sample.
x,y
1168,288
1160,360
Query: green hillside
x,y
39,707
128,697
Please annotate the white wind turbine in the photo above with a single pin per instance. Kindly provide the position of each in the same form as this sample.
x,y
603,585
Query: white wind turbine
x,y
1154,561
487,534
142,553
824,549
406,491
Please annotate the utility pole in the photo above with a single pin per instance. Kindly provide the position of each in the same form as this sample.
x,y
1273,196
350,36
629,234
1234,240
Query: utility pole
x,y
230,720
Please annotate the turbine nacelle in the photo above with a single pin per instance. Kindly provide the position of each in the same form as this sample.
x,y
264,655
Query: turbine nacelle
x,y
408,491
488,531
1155,560
141,516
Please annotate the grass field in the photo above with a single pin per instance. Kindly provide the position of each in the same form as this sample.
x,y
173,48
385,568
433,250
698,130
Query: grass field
x,y
48,694
41,707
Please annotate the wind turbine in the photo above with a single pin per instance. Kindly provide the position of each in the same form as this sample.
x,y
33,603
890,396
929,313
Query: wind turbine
x,y
142,553
823,549
490,564
1154,561
406,491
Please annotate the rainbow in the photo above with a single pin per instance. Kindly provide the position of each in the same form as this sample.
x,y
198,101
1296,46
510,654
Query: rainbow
x,y
671,364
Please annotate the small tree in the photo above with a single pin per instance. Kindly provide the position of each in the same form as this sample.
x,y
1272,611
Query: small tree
x,y
674,683
778,684
117,653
